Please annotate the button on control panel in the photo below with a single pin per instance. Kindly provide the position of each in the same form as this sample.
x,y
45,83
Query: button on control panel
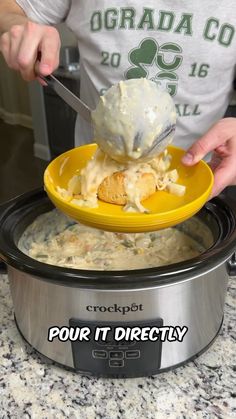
x,y
116,363
116,358
116,354
132,354
98,354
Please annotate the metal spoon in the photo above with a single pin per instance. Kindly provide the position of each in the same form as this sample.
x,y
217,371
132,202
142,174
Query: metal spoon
x,y
114,146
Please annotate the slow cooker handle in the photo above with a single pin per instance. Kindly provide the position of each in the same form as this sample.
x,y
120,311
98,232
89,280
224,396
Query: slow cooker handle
x,y
229,197
231,265
3,267
3,207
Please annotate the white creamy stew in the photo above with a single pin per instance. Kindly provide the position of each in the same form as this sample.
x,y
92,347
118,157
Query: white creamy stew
x,y
55,239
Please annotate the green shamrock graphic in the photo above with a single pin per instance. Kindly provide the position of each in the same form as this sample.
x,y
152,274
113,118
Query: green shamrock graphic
x,y
144,54
156,62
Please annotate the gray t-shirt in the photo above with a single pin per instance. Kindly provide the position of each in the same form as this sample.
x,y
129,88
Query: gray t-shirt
x,y
187,46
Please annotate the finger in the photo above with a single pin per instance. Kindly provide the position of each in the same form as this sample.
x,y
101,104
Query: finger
x,y
28,50
203,146
15,41
50,49
215,161
41,81
36,67
224,175
5,46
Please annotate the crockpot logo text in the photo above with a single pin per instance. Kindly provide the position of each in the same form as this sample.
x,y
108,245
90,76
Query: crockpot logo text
x,y
115,308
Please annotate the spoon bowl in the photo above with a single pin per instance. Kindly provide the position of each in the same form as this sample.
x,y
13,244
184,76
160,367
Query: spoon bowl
x,y
134,120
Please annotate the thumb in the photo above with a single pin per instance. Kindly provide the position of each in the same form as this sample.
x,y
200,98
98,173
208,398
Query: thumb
x,y
202,147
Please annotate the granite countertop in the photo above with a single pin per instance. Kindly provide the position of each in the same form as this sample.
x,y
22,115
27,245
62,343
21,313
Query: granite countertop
x,y
32,388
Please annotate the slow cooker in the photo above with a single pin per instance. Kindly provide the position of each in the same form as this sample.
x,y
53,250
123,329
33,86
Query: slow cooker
x,y
188,294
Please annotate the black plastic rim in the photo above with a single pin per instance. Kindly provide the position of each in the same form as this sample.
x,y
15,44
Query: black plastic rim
x,y
14,213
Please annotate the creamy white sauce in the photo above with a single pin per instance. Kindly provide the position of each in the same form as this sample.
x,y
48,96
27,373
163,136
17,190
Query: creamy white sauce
x,y
55,239
97,169
82,189
129,118
127,121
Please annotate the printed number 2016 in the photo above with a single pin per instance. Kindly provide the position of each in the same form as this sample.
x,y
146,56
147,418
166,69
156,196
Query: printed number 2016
x,y
199,71
112,60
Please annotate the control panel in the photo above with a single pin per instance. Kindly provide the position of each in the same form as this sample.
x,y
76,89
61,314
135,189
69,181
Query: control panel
x,y
117,358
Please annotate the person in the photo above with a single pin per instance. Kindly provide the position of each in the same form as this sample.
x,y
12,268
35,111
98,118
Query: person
x,y
188,47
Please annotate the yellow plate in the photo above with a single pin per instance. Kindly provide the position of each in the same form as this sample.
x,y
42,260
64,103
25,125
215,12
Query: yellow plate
x,y
165,209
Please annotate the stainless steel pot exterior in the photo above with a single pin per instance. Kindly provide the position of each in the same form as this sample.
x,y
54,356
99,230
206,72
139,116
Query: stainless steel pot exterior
x,y
197,303
190,293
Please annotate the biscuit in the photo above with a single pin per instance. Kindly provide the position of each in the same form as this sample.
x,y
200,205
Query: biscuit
x,y
112,189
